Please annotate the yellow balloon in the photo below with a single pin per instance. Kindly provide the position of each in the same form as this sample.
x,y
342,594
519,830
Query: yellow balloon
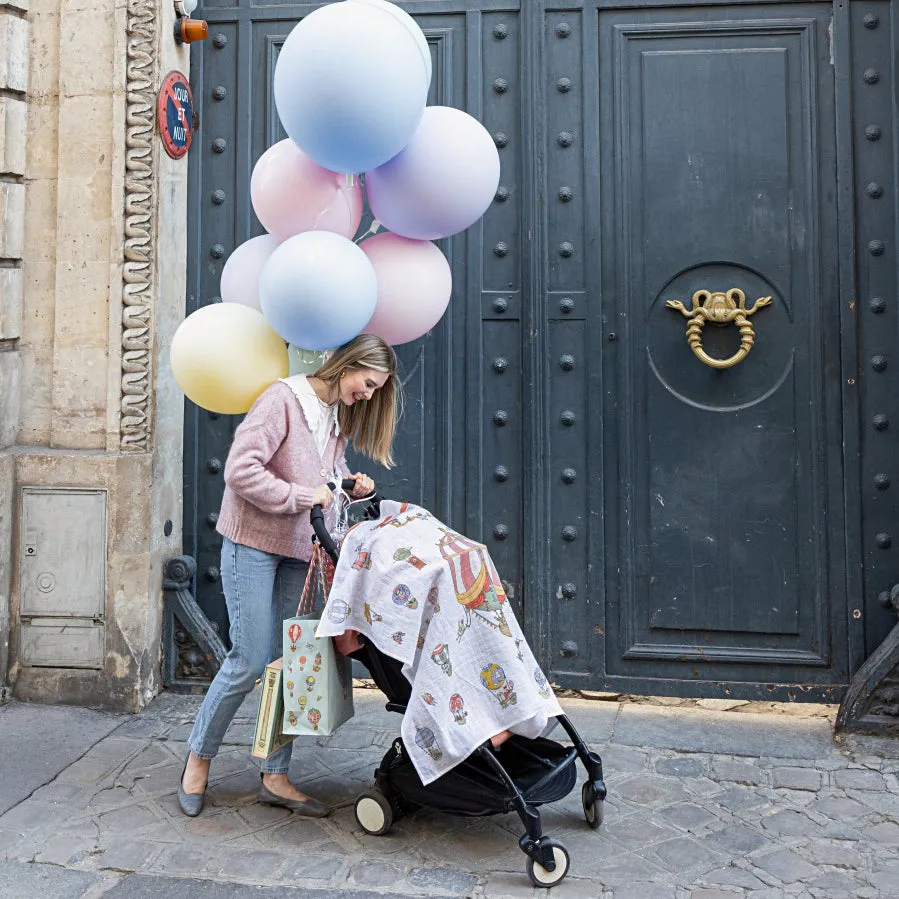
x,y
224,355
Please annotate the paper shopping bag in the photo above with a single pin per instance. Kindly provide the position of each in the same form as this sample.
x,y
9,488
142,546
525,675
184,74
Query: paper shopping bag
x,y
269,737
317,680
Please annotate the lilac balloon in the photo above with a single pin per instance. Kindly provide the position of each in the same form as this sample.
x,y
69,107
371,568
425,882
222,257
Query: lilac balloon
x,y
414,287
442,182
240,276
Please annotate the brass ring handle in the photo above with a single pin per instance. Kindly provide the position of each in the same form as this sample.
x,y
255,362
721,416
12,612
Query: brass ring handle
x,y
719,309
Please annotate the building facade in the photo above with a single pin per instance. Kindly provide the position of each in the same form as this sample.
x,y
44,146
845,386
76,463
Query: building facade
x,y
661,394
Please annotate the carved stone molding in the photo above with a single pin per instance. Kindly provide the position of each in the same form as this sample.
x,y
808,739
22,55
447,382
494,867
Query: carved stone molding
x,y
139,264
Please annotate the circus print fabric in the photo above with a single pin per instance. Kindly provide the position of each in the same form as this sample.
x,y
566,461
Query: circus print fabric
x,y
432,599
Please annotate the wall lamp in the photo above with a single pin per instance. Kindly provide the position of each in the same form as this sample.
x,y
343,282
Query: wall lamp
x,y
188,30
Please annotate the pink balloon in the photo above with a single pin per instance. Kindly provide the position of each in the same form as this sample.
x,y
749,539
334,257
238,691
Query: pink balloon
x,y
291,194
414,286
240,276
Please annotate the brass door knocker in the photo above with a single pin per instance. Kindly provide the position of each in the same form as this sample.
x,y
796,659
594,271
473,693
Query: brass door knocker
x,y
719,309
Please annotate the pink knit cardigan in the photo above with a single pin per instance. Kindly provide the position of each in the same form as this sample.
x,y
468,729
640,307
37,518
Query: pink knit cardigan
x,y
272,470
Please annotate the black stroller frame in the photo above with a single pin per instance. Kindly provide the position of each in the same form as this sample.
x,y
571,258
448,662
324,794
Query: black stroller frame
x,y
541,778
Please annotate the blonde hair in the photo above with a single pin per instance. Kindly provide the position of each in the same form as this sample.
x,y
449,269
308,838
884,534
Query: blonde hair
x,y
369,424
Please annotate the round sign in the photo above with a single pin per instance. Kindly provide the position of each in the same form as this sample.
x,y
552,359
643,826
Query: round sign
x,y
175,113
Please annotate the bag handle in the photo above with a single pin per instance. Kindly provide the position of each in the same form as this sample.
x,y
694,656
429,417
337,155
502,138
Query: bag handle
x,y
320,574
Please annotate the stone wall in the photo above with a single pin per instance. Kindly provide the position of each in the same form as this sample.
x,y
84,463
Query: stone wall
x,y
101,274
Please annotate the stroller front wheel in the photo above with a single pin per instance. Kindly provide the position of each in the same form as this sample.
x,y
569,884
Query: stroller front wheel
x,y
540,877
593,805
374,814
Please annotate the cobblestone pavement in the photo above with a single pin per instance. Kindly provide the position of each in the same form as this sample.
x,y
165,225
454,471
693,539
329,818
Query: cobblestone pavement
x,y
703,804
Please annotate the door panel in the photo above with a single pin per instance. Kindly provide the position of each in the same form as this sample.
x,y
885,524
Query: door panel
x,y
725,552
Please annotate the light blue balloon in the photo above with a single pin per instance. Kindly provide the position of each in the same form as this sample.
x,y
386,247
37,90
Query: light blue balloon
x,y
350,86
410,24
318,290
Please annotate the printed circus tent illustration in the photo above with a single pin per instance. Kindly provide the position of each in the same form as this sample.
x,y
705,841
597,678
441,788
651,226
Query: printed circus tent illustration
x,y
476,582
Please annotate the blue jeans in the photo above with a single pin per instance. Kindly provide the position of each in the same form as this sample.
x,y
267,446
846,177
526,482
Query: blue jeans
x,y
261,590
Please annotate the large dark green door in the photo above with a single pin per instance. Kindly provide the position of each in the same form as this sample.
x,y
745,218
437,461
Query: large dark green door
x,y
662,524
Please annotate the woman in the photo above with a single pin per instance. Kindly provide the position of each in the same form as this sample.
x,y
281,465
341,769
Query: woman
x,y
290,443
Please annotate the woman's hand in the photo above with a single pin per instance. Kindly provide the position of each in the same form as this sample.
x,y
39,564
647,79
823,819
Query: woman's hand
x,y
365,486
322,496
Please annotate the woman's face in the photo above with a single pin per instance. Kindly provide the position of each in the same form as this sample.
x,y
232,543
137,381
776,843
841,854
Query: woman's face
x,y
360,384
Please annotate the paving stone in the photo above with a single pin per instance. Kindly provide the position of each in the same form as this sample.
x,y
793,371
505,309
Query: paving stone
x,y
837,885
735,877
887,881
683,853
142,887
505,885
618,870
29,815
644,891
828,852
636,831
886,833
713,894
18,881
680,767
721,705
739,798
66,851
790,823
687,816
132,819
858,779
786,866
647,789
376,874
839,808
312,866
443,880
737,772
736,839
249,866
797,779
126,855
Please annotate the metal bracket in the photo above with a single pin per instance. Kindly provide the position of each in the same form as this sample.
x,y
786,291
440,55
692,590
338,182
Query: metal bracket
x,y
871,704
181,605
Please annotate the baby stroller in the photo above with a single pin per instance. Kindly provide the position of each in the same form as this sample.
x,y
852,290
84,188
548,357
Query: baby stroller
x,y
521,775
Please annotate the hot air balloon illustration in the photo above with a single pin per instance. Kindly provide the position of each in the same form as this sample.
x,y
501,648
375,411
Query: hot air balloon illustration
x,y
402,596
302,660
338,611
294,632
314,717
425,740
302,701
542,685
405,554
440,655
398,636
310,683
433,596
456,707
494,679
477,585
317,664
290,687
292,718
428,698
363,560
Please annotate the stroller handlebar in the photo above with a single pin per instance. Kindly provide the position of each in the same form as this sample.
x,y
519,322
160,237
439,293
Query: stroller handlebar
x,y
317,519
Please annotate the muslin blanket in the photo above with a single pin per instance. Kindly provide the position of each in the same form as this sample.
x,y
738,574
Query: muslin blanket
x,y
432,599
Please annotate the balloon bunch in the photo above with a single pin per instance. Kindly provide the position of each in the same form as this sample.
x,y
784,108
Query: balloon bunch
x,y
350,87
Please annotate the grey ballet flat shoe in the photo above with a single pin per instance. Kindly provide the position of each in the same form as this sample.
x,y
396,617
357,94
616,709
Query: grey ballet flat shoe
x,y
309,807
191,803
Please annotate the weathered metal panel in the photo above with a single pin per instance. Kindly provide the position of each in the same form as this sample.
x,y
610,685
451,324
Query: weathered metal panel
x,y
62,643
63,552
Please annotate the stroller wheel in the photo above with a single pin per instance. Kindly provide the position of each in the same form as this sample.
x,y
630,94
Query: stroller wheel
x,y
593,805
374,813
540,877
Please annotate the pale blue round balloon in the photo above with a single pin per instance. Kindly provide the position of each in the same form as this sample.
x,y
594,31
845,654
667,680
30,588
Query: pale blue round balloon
x,y
350,86
318,290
